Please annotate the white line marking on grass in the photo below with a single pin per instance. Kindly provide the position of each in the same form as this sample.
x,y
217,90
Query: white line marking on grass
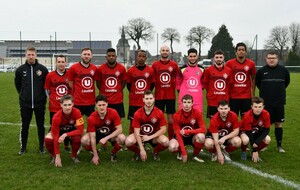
x,y
17,124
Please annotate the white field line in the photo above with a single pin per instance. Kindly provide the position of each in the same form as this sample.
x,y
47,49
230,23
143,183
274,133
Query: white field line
x,y
17,124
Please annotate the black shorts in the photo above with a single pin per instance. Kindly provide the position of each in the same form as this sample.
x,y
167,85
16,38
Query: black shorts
x,y
186,140
240,105
276,113
169,104
151,143
51,116
86,110
119,108
209,135
100,136
211,111
131,111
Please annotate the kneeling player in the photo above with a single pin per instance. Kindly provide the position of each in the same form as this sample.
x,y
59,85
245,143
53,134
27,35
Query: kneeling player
x,y
223,131
149,126
66,123
255,127
189,129
104,125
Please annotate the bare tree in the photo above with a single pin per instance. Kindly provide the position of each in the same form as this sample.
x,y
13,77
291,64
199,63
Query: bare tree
x,y
172,35
139,29
278,39
198,35
294,29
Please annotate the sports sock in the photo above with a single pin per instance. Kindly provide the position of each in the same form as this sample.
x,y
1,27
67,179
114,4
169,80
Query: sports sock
x,y
197,147
159,148
75,140
116,148
278,134
170,131
230,148
244,147
261,146
50,146
134,149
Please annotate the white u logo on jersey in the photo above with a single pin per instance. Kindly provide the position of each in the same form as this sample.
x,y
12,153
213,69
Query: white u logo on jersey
x,y
86,82
192,82
220,84
111,82
140,84
147,129
61,90
240,77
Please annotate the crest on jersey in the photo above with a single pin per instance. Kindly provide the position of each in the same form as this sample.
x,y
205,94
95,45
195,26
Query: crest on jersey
x,y
228,124
111,82
87,82
170,69
103,130
255,130
192,121
220,85
246,68
71,121
107,122
153,120
240,77
39,72
260,123
187,128
147,129
192,82
165,78
225,75
197,73
146,74
92,72
117,73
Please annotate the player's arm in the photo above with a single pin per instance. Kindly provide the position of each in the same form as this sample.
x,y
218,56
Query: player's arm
x,y
95,159
233,133
55,135
18,81
201,129
264,133
79,127
258,78
179,79
98,84
71,84
139,141
253,85
287,79
113,134
218,148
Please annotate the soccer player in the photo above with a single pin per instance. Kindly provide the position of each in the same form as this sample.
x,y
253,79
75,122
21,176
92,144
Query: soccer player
x,y
189,129
66,123
223,131
188,80
29,82
165,71
272,81
112,80
140,78
81,79
149,126
217,81
56,86
243,88
104,124
255,127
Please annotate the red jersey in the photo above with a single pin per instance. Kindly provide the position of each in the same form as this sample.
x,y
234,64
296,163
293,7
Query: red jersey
x,y
106,125
58,86
165,77
83,83
255,124
241,88
217,83
140,82
71,124
149,124
111,80
223,128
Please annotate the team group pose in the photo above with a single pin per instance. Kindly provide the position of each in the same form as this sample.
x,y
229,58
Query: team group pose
x,y
230,92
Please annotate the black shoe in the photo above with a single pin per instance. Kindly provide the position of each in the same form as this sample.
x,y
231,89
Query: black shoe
x,y
22,151
135,157
155,156
42,151
67,149
113,157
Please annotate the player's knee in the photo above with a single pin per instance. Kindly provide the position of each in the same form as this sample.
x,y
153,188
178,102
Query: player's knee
x,y
267,140
172,146
244,139
85,140
130,141
200,138
236,142
209,144
121,139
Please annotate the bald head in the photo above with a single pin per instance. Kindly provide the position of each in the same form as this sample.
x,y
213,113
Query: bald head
x,y
164,52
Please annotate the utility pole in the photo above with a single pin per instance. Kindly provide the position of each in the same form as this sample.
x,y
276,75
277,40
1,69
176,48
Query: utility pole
x,y
51,52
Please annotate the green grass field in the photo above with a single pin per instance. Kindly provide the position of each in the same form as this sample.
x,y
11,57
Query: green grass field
x,y
33,171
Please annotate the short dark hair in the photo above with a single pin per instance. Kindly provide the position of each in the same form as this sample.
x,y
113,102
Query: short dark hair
x,y
66,97
240,44
223,103
110,50
192,50
187,97
272,52
148,92
219,52
101,97
86,49
61,56
141,51
30,49
257,100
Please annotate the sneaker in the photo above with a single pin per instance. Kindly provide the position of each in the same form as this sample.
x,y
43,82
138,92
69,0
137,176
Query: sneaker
x,y
280,149
75,160
214,157
243,156
146,147
42,151
79,150
135,157
155,156
67,149
113,157
179,156
22,151
226,156
198,159
52,160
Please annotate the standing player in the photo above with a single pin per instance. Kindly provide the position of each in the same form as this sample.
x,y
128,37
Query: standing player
x,y
56,86
165,71
189,129
243,88
112,80
66,123
104,124
81,79
223,131
217,81
149,126
29,82
272,81
140,78
255,127
188,80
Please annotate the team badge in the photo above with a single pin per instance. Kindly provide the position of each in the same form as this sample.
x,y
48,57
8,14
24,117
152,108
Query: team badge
x,y
153,120
103,130
39,72
71,121
117,73
107,122
146,129
170,69
228,124
225,76
260,123
192,82
246,68
92,72
146,74
165,78
220,85
197,73
192,121
255,130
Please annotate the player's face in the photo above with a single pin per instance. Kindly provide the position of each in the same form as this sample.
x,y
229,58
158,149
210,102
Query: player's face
x,y
141,58
241,52
223,110
164,52
272,60
67,106
61,64
187,105
86,56
148,100
101,107
111,58
30,57
219,60
257,108
192,58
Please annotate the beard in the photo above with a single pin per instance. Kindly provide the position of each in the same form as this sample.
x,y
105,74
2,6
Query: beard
x,y
86,62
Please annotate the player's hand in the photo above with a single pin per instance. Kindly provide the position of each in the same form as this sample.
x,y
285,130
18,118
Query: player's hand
x,y
143,155
221,141
182,132
95,160
184,158
254,145
62,138
57,162
145,138
221,158
255,157
103,141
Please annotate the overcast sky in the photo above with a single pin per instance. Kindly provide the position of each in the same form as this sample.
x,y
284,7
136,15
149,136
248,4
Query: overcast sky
x,y
74,19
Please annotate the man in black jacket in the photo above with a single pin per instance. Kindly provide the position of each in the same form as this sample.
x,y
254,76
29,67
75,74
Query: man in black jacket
x,y
29,82
272,80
